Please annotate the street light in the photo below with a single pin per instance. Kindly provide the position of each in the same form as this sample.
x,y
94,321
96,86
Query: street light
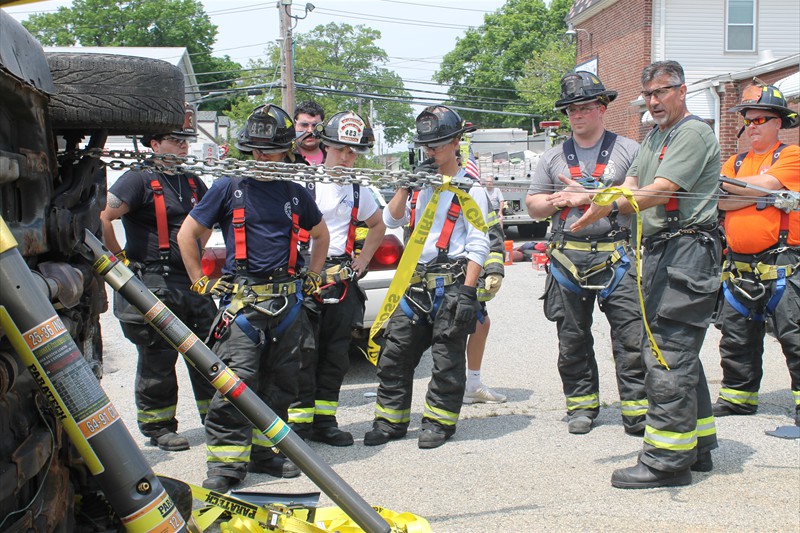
x,y
573,31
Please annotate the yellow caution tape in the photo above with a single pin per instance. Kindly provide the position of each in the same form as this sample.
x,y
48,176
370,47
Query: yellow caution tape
x,y
412,253
245,517
605,197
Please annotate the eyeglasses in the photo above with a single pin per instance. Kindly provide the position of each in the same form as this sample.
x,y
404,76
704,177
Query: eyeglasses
x,y
581,110
758,121
306,125
349,149
659,93
176,140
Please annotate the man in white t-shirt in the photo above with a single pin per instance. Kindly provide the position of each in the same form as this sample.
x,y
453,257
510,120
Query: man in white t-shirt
x,y
341,302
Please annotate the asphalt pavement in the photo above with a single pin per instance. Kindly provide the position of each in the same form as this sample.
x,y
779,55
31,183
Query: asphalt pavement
x,y
513,467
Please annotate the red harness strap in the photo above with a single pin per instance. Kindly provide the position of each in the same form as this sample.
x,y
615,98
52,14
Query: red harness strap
x,y
443,244
412,221
193,187
351,230
161,217
294,240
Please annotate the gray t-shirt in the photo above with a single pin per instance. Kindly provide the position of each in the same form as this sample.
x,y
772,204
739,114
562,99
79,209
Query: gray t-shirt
x,y
553,162
690,161
495,198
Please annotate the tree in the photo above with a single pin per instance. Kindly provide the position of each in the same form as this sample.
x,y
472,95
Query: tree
x,y
486,64
139,23
540,84
339,67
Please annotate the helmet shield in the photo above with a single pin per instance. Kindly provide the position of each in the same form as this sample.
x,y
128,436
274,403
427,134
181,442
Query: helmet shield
x,y
770,98
347,129
188,131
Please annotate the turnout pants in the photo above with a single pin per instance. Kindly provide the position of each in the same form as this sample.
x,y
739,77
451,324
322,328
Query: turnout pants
x,y
741,347
405,343
577,364
680,282
323,369
269,367
156,388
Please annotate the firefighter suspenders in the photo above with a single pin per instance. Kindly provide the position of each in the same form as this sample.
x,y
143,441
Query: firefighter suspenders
x,y
761,271
162,226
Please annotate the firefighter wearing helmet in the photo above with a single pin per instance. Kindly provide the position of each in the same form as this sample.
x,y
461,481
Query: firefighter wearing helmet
x,y
440,307
261,327
590,265
761,280
340,304
152,203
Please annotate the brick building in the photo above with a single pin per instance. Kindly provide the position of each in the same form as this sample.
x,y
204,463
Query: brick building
x,y
721,44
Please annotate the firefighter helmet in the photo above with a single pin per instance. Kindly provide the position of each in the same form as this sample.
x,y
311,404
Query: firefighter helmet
x,y
268,129
581,86
437,125
347,129
769,97
188,131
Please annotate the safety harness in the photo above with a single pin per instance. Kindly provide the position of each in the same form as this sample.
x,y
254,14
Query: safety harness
x,y
737,264
337,271
162,227
617,248
243,294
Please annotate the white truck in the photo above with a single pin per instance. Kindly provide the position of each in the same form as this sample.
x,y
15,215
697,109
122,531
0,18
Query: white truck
x,y
509,156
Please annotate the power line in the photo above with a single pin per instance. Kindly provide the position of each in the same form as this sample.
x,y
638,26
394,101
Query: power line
x,y
437,7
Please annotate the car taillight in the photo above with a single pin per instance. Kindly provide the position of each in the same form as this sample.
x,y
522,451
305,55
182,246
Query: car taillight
x,y
388,254
212,262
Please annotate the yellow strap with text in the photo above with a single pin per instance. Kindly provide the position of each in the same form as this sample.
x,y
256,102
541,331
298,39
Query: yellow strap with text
x,y
412,253
605,197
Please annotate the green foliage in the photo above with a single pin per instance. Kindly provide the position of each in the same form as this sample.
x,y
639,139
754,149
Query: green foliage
x,y
164,23
337,61
486,65
540,85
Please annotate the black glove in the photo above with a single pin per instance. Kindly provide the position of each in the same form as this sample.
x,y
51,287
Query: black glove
x,y
467,306
428,166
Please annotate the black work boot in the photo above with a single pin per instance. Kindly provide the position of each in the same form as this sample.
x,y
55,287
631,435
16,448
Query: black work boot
x,y
377,436
642,476
721,408
431,438
220,483
579,425
703,463
275,467
171,442
332,436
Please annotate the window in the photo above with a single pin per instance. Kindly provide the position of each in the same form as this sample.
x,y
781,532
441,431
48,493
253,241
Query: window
x,y
741,26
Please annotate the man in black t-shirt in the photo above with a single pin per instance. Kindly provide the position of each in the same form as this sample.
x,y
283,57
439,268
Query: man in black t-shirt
x,y
144,200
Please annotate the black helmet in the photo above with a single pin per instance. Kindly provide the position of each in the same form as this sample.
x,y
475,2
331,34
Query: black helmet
x,y
188,131
347,129
767,97
581,86
438,124
268,129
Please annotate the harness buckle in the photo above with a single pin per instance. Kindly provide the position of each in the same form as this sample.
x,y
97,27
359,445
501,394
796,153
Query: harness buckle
x,y
223,324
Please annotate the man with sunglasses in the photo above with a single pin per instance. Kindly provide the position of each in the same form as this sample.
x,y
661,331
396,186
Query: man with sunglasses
x,y
307,116
440,307
674,181
761,279
591,264
345,135
261,328
152,203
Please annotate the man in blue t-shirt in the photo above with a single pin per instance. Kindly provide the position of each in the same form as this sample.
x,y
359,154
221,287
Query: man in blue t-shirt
x,y
261,328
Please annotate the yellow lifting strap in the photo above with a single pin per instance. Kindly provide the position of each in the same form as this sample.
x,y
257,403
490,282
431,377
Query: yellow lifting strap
x,y
605,197
412,253
244,517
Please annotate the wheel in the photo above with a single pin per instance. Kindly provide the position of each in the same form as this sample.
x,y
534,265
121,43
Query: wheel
x,y
124,95
526,231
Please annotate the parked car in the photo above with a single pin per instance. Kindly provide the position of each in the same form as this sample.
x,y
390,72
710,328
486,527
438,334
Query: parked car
x,y
375,283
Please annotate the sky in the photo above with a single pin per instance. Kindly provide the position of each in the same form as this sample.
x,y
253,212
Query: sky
x,y
415,34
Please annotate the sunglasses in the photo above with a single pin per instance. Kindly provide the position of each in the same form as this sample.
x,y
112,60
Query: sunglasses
x,y
176,140
758,121
361,150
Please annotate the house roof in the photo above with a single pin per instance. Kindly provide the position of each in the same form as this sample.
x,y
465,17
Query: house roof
x,y
206,116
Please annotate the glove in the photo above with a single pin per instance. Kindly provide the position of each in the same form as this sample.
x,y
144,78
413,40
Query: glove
x,y
312,284
492,283
467,306
122,256
219,287
427,167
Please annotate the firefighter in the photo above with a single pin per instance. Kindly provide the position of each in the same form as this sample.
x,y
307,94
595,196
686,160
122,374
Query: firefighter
x,y
260,328
761,280
313,415
152,204
593,264
680,279
440,306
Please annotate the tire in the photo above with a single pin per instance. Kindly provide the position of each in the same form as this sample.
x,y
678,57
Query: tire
x,y
124,95
526,231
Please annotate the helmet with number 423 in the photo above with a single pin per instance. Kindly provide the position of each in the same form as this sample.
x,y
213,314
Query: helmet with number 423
x,y
268,129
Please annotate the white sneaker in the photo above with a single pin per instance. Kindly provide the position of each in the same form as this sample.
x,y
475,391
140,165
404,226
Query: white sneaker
x,y
483,394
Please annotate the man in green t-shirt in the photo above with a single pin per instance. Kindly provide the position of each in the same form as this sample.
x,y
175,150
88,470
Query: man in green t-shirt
x,y
680,279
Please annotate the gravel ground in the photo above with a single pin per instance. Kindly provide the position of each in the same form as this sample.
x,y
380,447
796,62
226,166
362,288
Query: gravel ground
x,y
514,466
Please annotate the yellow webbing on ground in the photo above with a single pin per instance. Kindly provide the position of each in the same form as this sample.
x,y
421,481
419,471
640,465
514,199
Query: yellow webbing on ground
x,y
412,253
605,197
247,517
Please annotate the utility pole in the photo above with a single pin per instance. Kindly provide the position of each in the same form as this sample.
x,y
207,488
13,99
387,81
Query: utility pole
x,y
287,57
